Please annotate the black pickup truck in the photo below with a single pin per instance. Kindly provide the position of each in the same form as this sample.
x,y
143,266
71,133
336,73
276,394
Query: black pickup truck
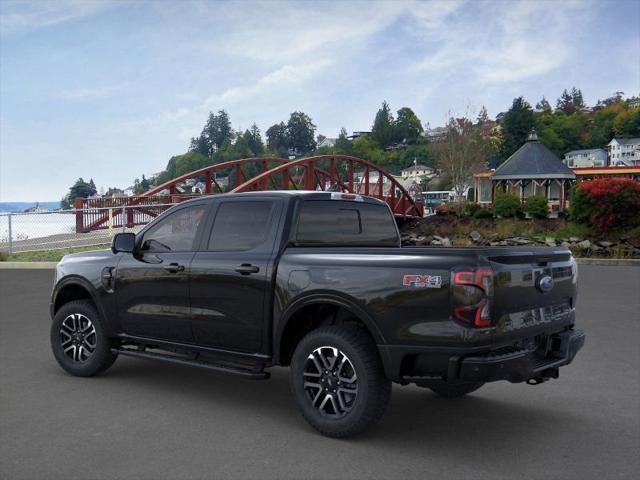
x,y
317,281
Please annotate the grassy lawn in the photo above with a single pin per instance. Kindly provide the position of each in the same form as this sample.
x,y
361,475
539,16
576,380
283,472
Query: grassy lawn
x,y
46,255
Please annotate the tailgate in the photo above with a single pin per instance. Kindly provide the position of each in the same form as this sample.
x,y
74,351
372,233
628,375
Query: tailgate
x,y
535,292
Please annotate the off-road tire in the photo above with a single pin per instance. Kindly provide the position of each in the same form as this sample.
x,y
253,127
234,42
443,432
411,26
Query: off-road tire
x,y
373,388
101,357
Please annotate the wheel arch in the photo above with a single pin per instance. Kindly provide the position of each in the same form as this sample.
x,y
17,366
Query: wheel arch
x,y
73,288
313,310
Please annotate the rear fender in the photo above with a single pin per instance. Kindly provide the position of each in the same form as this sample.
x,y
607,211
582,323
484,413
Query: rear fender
x,y
326,298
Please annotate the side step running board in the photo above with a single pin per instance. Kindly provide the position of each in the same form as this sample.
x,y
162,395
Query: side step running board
x,y
249,374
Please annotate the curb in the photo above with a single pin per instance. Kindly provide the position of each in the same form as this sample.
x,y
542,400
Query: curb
x,y
611,262
27,265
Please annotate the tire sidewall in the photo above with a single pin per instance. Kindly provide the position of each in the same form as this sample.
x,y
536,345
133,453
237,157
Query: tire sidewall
x,y
298,361
101,357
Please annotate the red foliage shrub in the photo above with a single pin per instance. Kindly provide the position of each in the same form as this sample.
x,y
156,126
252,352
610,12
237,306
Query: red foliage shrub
x,y
607,204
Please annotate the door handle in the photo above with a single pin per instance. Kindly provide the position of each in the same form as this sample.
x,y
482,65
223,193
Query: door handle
x,y
174,268
247,269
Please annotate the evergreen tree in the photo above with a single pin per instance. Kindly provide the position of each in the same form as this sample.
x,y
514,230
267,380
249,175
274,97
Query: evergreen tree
x,y
253,139
200,145
382,130
565,103
483,116
144,183
343,144
216,131
543,106
517,123
80,189
576,99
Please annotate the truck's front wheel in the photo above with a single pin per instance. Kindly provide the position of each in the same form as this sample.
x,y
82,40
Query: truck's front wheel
x,y
78,340
338,381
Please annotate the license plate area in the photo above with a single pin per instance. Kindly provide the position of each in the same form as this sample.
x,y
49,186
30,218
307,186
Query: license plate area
x,y
537,316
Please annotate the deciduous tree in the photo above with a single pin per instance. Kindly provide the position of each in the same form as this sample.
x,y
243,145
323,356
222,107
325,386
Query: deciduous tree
x,y
408,126
277,139
463,152
301,133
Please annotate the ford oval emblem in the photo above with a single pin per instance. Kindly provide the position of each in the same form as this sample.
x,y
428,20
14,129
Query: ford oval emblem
x,y
545,283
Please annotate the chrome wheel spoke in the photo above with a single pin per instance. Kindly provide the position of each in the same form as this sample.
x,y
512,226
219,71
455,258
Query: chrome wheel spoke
x,y
91,342
78,337
330,381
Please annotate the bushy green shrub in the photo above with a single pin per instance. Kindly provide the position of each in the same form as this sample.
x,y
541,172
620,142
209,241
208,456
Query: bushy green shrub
x,y
483,213
536,206
612,203
506,205
469,209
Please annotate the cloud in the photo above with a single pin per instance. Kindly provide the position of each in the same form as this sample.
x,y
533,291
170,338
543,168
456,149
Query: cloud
x,y
23,15
285,77
526,40
281,32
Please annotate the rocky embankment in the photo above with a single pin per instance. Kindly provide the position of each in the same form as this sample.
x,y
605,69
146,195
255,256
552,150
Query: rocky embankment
x,y
580,247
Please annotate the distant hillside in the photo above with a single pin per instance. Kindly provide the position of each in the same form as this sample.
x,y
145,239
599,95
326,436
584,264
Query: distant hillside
x,y
13,207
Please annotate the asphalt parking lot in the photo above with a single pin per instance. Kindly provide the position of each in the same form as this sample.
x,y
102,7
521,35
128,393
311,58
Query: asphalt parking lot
x,y
150,420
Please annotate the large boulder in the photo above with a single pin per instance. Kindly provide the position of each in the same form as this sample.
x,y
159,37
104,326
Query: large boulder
x,y
585,244
475,236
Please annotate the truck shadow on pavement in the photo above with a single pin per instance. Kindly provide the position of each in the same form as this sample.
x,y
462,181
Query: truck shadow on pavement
x,y
416,417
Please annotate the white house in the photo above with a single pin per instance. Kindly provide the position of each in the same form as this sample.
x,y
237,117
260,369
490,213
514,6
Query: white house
x,y
327,142
435,135
624,152
417,172
593,157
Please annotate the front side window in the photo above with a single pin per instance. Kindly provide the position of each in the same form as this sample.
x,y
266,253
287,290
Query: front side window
x,y
241,226
176,232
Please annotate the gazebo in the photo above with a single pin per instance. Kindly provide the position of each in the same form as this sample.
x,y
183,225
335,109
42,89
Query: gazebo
x,y
532,170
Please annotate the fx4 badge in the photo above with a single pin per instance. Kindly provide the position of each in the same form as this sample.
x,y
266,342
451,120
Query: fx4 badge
x,y
422,281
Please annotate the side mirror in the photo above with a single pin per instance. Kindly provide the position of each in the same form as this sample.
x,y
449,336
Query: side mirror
x,y
123,242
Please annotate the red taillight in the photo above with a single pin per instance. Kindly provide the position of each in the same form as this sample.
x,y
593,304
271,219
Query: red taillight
x,y
478,314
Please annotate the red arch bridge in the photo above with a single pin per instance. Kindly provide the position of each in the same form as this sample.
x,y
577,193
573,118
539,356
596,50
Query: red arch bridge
x,y
334,173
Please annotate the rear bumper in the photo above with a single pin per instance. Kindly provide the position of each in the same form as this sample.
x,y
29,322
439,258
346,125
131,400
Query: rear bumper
x,y
524,365
422,365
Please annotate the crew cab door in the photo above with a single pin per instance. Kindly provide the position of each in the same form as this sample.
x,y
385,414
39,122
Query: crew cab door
x,y
152,284
232,272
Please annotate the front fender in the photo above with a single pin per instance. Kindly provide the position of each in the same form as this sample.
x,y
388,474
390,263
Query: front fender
x,y
78,281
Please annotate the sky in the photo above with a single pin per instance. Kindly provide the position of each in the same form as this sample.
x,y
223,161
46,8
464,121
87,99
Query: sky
x,y
110,90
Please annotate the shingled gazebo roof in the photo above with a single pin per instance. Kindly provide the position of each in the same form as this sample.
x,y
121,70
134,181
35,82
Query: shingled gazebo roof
x,y
532,160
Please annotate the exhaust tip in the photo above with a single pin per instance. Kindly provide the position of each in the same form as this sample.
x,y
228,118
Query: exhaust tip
x,y
536,381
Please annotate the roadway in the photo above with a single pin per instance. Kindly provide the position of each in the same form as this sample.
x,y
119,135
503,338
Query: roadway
x,y
148,420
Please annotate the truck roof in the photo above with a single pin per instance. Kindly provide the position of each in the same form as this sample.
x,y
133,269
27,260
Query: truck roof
x,y
306,194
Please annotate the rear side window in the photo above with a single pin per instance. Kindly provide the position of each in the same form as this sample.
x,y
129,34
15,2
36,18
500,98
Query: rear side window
x,y
240,226
331,222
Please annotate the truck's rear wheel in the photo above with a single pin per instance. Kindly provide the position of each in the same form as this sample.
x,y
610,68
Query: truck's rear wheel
x,y
338,381
453,390
78,340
